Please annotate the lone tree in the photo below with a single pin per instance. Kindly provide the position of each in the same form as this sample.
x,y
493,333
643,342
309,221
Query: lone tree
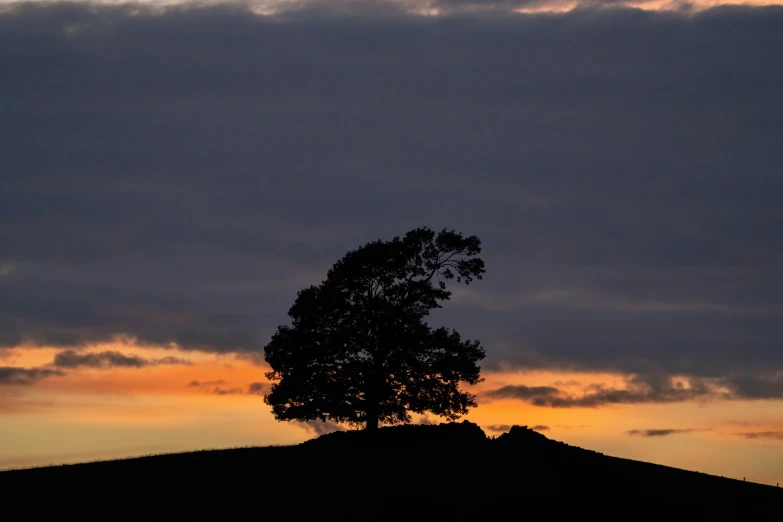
x,y
359,351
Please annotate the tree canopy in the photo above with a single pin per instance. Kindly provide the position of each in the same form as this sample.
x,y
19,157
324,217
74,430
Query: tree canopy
x,y
358,350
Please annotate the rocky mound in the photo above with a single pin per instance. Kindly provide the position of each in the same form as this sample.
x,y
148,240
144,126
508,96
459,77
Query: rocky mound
x,y
523,439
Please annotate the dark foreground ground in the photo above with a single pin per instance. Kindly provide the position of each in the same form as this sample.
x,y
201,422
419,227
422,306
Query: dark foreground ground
x,y
445,472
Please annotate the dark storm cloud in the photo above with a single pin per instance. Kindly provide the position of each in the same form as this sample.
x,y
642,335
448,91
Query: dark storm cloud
x,y
25,376
658,432
756,386
110,359
177,178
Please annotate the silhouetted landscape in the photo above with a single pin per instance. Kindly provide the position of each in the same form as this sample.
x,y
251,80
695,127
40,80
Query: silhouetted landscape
x,y
241,224
446,469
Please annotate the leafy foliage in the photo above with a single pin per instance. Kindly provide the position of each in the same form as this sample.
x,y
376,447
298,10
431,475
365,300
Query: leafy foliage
x,y
358,350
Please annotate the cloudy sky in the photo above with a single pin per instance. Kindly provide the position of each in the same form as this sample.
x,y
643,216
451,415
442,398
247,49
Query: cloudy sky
x,y
169,178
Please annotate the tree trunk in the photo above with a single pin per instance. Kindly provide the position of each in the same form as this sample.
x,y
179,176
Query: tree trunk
x,y
373,412
372,420
373,394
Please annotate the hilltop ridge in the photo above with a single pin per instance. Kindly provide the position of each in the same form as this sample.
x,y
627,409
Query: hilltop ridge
x,y
449,467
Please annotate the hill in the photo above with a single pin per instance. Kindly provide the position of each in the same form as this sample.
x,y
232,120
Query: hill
x,y
444,470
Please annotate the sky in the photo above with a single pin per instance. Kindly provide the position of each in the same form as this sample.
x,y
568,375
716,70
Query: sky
x,y
171,177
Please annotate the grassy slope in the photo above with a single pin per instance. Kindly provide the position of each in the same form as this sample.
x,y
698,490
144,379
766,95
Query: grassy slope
x,y
447,469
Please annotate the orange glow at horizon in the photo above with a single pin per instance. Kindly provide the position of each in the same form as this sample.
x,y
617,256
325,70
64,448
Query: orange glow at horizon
x,y
90,413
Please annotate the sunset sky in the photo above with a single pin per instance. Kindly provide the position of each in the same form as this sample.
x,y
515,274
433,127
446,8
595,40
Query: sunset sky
x,y
170,178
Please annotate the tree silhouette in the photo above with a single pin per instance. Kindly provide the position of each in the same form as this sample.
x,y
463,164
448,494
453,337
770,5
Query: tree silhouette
x,y
359,351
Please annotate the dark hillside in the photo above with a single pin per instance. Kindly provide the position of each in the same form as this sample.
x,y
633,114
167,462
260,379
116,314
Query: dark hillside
x,y
445,469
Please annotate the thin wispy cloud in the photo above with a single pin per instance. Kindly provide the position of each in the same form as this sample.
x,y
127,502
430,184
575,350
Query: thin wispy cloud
x,y
198,384
217,387
763,435
498,428
228,391
660,432
502,428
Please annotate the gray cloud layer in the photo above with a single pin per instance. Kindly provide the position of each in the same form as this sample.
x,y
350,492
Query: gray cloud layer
x,y
522,392
70,359
648,388
179,177
10,375
110,359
